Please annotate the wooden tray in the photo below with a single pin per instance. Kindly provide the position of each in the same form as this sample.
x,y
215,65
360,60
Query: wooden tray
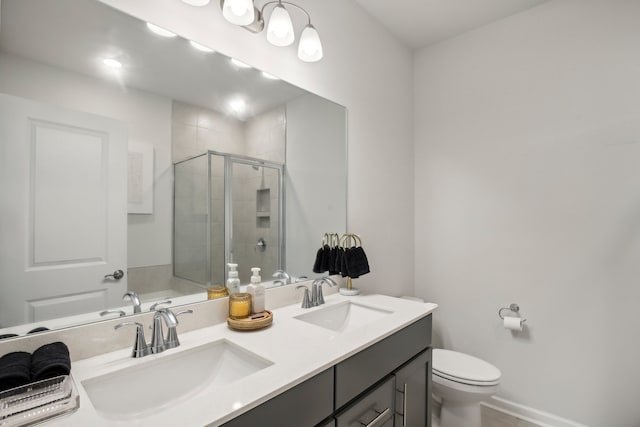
x,y
249,324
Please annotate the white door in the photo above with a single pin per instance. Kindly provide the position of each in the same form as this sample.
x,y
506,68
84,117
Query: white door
x,y
63,211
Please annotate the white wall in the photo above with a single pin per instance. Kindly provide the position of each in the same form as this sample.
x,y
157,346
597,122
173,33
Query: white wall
x,y
316,169
527,187
148,118
364,69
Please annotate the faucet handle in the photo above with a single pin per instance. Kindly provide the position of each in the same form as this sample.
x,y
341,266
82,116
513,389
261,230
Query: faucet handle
x,y
155,305
120,313
172,334
140,348
305,299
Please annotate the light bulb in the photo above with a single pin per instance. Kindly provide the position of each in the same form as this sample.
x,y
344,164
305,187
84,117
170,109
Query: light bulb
x,y
310,47
280,29
239,12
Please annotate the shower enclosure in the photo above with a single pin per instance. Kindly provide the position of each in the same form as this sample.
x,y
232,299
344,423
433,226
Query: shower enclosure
x,y
227,208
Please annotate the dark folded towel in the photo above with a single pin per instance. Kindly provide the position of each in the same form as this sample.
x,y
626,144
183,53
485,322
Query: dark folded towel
x,y
332,261
50,360
356,262
326,254
317,265
38,329
15,370
5,336
338,261
344,269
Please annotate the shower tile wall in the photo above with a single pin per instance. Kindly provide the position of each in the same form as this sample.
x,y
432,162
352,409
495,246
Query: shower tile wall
x,y
196,130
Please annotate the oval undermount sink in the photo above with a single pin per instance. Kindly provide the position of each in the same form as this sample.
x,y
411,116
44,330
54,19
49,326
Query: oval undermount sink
x,y
160,383
344,316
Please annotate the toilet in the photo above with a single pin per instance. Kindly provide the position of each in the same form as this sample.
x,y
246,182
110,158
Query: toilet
x,y
461,382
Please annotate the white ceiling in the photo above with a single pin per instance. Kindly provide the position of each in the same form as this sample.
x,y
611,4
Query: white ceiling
x,y
419,23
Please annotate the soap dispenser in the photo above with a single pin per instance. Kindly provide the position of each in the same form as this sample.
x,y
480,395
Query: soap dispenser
x,y
233,282
256,289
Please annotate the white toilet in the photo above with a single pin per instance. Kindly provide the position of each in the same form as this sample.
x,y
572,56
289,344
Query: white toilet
x,y
461,382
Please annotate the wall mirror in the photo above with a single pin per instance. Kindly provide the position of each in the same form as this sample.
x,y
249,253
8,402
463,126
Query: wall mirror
x,y
123,148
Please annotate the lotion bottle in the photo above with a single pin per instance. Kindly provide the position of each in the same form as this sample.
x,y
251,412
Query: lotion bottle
x,y
256,289
233,282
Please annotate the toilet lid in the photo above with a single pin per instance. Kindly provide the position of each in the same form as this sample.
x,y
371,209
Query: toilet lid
x,y
463,368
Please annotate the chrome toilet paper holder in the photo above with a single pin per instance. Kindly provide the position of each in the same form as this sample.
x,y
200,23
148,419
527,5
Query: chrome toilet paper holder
x,y
514,308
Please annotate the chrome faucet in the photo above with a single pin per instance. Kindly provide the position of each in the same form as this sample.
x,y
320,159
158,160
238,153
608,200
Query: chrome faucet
x,y
135,299
140,347
317,297
158,341
281,274
305,299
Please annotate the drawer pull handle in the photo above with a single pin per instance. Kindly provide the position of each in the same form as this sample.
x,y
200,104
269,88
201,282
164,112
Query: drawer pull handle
x,y
377,419
404,405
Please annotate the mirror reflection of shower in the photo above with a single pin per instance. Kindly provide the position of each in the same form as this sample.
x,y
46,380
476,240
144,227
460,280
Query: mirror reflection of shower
x,y
227,208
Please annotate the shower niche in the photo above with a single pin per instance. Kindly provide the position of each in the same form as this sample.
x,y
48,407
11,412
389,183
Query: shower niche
x,y
227,208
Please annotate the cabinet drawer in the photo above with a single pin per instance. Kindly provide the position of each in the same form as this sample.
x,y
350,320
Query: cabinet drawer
x,y
375,409
364,369
306,404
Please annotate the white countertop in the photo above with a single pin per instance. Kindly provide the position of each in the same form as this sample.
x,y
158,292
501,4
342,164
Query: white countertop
x,y
298,350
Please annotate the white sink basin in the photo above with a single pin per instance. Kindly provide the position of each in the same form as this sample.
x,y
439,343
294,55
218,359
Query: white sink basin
x,y
344,316
161,382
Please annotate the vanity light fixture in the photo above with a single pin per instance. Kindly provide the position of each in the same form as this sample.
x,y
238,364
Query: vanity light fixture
x,y
201,47
159,30
279,29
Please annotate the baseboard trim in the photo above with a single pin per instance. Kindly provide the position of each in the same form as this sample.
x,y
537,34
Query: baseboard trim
x,y
525,413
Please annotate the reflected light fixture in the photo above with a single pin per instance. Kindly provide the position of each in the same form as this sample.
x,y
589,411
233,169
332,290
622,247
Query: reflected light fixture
x,y
200,47
279,29
112,63
269,76
197,2
159,30
239,63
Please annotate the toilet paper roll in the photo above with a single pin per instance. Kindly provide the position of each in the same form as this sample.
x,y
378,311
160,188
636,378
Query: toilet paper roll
x,y
513,323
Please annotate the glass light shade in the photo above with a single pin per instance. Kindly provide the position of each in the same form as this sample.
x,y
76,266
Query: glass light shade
x,y
310,47
159,30
280,29
239,12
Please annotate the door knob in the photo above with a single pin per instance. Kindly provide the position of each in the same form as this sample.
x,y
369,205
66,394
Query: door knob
x,y
117,275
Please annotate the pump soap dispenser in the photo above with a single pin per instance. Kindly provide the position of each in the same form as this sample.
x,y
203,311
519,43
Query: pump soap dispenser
x,y
233,282
256,289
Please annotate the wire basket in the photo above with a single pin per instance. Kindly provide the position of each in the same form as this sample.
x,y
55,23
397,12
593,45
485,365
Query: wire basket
x,y
35,402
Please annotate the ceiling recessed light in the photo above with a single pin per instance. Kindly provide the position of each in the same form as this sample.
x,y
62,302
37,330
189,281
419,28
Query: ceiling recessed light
x,y
198,46
269,76
239,63
237,105
112,63
197,2
160,31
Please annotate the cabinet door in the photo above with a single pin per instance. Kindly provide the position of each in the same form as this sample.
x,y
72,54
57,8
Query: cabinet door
x,y
305,405
413,392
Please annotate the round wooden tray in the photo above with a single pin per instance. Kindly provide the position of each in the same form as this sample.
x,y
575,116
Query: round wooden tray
x,y
251,323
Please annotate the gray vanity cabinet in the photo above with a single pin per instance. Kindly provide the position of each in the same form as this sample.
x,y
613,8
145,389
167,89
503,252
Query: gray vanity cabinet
x,y
385,385
412,389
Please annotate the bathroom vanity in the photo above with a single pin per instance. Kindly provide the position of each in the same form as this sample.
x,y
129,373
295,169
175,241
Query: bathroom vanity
x,y
354,361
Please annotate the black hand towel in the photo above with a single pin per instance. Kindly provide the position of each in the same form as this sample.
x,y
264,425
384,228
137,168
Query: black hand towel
x,y
332,261
15,370
338,262
326,254
344,268
356,261
317,265
50,360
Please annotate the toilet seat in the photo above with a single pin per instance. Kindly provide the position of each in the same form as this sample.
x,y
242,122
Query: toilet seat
x,y
465,369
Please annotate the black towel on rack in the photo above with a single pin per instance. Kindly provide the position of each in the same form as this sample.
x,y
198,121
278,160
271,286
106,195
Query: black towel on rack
x,y
333,254
338,261
356,262
50,360
15,370
344,269
317,265
326,254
